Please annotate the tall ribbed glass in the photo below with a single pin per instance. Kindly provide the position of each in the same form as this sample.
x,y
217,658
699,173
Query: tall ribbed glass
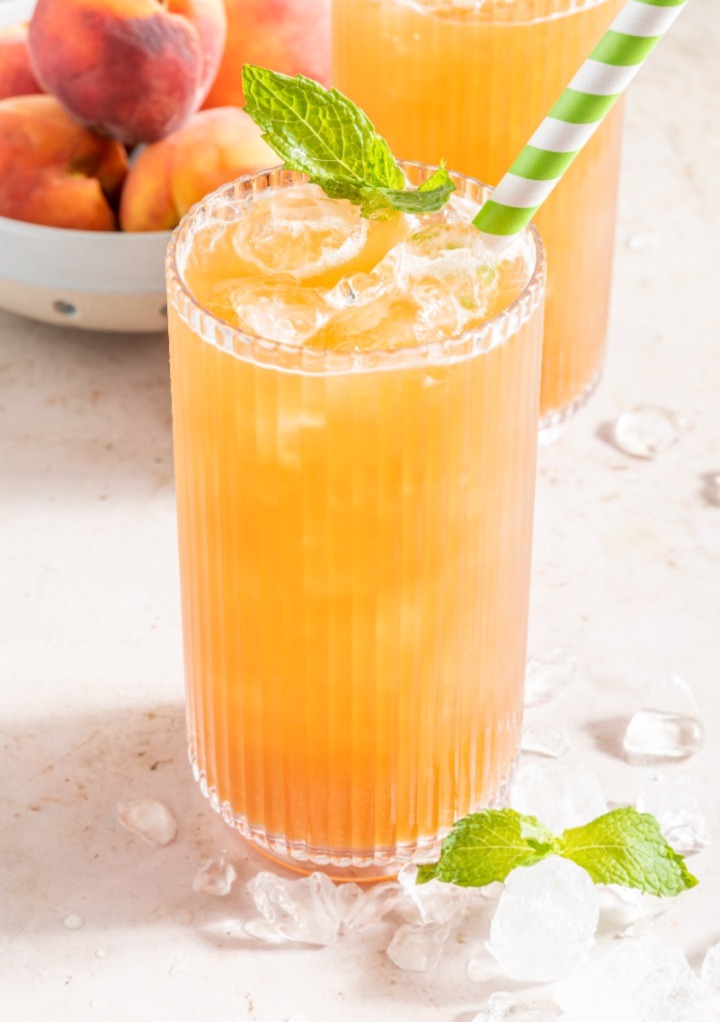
x,y
355,534
469,82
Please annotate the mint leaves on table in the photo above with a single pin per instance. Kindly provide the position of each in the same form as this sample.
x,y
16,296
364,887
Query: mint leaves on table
x,y
321,133
622,847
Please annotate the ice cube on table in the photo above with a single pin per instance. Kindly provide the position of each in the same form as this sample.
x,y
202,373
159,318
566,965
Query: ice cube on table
x,y
149,818
545,921
646,431
560,795
638,981
417,948
299,232
302,910
215,876
545,739
683,808
548,674
667,726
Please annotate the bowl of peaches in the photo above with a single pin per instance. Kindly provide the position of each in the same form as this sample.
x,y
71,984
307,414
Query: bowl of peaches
x,y
104,146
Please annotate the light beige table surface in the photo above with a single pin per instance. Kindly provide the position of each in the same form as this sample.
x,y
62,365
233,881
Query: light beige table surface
x,y
626,573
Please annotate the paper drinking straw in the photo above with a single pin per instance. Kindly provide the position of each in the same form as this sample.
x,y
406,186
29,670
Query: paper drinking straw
x,y
576,116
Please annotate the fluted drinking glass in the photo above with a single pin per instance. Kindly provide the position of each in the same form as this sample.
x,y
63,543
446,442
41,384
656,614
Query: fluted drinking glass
x,y
355,538
469,81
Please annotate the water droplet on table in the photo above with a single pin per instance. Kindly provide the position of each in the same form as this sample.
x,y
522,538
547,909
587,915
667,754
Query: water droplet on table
x,y
646,431
149,818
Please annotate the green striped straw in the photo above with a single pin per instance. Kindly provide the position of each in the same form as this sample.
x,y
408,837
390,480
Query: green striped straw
x,y
576,116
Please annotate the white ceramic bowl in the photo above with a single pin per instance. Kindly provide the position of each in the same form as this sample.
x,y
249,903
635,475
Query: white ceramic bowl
x,y
98,280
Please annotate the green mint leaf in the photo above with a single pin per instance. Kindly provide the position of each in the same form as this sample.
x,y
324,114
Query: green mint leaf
x,y
321,133
626,847
485,847
428,198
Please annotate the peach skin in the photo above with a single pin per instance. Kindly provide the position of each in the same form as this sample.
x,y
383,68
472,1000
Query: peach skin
x,y
292,36
16,74
55,172
170,176
134,69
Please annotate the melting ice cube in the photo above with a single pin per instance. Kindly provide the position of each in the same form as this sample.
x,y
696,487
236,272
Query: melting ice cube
x,y
667,727
417,948
215,876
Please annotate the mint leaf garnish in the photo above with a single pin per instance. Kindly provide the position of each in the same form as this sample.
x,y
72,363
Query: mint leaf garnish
x,y
321,133
486,846
626,847
622,847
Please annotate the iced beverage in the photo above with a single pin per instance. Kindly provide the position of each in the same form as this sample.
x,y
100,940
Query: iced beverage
x,y
355,418
468,81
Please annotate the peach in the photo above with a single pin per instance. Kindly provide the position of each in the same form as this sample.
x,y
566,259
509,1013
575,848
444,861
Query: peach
x,y
170,176
16,74
55,172
134,69
292,36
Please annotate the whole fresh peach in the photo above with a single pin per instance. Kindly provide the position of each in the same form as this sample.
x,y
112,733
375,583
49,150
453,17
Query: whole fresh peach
x,y
16,74
135,69
55,172
170,176
292,36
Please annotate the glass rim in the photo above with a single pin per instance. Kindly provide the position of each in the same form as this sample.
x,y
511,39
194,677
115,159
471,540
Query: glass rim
x,y
254,348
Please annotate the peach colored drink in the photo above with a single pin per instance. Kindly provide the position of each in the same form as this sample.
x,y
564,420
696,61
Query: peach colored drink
x,y
355,441
469,83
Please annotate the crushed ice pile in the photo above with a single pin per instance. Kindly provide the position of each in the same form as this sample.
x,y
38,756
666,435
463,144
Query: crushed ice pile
x,y
313,910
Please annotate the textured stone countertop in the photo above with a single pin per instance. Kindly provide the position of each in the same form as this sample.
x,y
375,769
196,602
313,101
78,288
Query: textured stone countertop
x,y
626,574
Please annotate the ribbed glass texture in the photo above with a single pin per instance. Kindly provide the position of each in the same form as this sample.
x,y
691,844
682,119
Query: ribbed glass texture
x,y
355,534
444,79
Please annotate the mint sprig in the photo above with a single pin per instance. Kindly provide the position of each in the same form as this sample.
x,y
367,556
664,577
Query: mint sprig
x,y
321,133
622,847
